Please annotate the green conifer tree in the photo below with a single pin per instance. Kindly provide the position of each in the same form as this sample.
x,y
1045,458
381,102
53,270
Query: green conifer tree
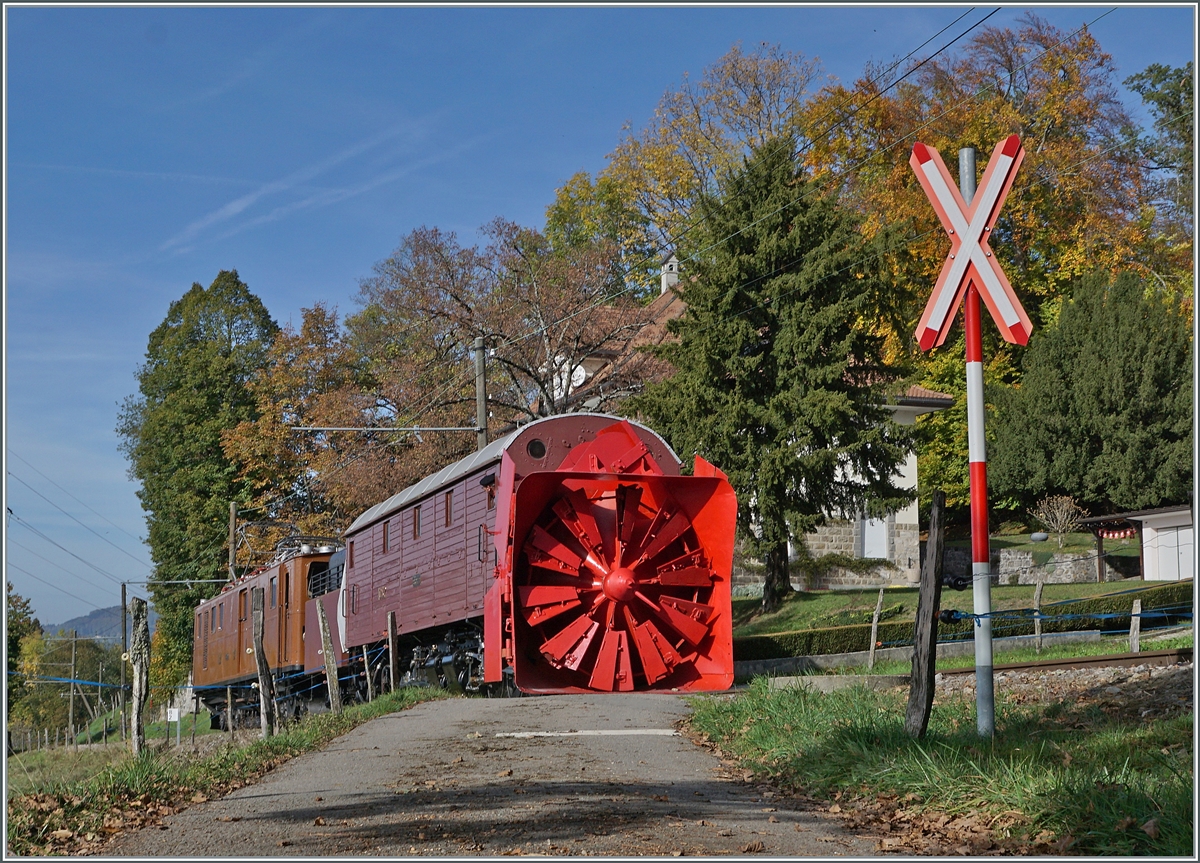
x,y
1104,409
778,380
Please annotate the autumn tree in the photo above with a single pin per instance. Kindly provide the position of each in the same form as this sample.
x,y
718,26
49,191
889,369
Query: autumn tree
x,y
544,313
1074,206
303,382
701,130
1167,157
19,623
46,703
1104,409
773,381
194,385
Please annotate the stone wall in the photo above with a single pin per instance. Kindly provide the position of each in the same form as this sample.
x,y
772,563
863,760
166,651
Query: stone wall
x,y
1012,566
1017,567
835,537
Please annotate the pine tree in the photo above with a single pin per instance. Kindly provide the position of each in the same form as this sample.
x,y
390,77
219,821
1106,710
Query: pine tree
x,y
192,387
1104,409
778,383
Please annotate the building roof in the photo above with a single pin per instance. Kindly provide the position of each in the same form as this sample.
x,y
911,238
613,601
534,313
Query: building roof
x,y
1137,515
919,397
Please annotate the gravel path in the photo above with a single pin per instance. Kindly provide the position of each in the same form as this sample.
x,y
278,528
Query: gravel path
x,y
564,775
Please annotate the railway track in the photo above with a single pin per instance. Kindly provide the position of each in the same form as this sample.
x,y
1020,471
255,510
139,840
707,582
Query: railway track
x,y
1126,660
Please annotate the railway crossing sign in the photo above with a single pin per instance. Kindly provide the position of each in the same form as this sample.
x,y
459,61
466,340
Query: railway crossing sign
x,y
970,260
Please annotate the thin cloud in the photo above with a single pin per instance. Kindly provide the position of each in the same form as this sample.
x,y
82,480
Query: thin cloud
x,y
334,196
169,176
297,178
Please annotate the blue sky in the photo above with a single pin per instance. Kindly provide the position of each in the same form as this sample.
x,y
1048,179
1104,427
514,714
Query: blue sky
x,y
149,148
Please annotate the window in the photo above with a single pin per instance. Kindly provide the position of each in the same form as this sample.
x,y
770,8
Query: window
x,y
242,605
416,523
274,589
212,620
491,497
350,556
221,612
385,538
449,506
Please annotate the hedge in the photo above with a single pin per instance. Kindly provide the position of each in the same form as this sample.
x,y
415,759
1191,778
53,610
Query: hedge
x,y
1176,596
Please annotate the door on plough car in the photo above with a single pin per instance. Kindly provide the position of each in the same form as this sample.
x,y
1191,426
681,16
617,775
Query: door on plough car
x,y
621,581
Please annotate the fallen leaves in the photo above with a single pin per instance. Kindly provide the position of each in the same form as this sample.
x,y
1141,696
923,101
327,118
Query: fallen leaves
x,y
754,847
1150,828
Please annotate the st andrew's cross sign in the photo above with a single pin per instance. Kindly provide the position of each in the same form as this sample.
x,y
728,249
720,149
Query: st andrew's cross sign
x,y
971,259
969,274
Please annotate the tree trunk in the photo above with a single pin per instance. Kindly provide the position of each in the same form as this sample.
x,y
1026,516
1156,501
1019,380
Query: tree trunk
x,y
139,656
924,662
266,689
778,583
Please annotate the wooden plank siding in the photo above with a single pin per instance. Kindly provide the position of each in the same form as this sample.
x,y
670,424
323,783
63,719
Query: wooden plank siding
x,y
428,578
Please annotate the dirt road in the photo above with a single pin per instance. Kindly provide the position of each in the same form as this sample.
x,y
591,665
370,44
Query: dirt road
x,y
564,775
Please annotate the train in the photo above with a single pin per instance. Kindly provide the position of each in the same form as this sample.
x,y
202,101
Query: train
x,y
569,555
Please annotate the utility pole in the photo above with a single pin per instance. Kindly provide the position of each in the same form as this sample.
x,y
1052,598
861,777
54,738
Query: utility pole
x,y
232,539
480,395
71,709
124,657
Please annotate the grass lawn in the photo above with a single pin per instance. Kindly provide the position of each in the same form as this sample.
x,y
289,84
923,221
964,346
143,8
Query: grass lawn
x,y
1059,776
817,609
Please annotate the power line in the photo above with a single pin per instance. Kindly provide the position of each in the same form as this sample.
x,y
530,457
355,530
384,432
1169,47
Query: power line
x,y
87,563
12,541
139,540
77,521
11,565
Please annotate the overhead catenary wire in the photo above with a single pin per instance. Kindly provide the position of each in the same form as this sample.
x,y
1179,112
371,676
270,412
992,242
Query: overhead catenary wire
x,y
25,461
11,565
80,523
86,563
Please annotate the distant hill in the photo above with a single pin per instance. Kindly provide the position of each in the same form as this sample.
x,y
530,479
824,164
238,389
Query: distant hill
x,y
102,621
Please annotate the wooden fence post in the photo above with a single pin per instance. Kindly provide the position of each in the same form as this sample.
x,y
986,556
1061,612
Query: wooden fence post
x,y
266,690
924,662
1037,616
875,630
367,671
331,678
229,713
393,669
139,655
1135,628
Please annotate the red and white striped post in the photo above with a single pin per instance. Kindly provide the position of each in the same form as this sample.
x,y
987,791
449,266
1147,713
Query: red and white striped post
x,y
981,552
969,274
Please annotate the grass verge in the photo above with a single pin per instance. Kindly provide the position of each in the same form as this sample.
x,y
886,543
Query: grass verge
x,y
1060,777
76,817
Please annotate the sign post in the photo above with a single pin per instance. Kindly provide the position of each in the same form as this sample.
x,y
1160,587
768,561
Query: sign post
x,y
969,274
